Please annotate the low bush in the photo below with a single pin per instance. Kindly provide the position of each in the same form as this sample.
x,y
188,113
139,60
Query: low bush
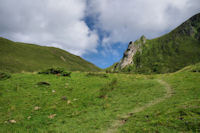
x,y
4,75
102,75
66,73
43,83
57,71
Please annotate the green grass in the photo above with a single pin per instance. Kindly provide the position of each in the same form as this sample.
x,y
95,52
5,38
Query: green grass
x,y
18,57
83,109
87,112
191,68
180,113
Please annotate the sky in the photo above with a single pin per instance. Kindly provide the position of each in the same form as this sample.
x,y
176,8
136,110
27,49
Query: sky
x,y
97,30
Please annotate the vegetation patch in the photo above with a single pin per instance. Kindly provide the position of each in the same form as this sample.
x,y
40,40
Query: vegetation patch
x,y
43,83
4,75
102,75
191,68
107,88
195,68
56,71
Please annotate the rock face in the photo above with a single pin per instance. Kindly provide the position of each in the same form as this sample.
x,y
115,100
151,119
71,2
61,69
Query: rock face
x,y
133,47
128,55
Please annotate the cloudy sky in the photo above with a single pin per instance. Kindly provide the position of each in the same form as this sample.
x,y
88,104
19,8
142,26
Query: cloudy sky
x,y
97,30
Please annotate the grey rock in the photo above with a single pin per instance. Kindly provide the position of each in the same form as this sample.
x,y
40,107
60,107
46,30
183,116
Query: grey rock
x,y
133,47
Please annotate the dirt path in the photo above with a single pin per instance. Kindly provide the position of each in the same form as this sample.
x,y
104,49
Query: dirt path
x,y
123,118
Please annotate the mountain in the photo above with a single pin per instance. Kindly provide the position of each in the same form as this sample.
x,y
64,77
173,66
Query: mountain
x,y
168,53
18,57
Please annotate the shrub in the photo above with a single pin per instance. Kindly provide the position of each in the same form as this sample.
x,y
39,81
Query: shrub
x,y
57,71
66,74
4,75
102,75
52,71
43,83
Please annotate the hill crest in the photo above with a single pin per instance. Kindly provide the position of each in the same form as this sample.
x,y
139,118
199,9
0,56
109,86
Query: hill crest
x,y
17,57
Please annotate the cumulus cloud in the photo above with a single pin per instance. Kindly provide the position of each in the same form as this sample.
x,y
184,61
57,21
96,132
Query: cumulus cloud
x,y
48,22
127,20
63,24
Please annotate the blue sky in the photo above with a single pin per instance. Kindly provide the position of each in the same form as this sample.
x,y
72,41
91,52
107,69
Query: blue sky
x,y
105,56
97,30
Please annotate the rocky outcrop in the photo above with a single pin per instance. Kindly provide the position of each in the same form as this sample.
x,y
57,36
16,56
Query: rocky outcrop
x,y
128,55
133,47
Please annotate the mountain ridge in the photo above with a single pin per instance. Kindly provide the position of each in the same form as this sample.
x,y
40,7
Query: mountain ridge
x,y
165,53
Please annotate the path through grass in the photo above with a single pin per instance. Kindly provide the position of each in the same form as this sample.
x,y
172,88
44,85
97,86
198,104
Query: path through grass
x,y
92,103
124,117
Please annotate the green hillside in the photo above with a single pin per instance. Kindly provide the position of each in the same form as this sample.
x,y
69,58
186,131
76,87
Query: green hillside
x,y
170,52
18,57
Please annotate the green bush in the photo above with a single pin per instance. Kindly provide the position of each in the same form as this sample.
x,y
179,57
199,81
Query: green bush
x,y
102,75
4,75
57,71
66,73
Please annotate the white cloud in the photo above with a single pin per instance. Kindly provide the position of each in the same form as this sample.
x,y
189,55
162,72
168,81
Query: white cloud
x,y
48,22
127,20
61,23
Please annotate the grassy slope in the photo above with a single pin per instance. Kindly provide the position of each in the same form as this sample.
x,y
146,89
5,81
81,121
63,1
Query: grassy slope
x,y
89,113
17,57
170,52
191,68
180,113
86,113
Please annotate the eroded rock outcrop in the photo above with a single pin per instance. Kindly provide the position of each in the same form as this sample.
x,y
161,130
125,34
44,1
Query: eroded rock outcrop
x,y
133,47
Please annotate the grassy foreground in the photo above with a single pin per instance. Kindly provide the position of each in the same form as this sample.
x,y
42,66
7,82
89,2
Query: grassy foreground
x,y
91,102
